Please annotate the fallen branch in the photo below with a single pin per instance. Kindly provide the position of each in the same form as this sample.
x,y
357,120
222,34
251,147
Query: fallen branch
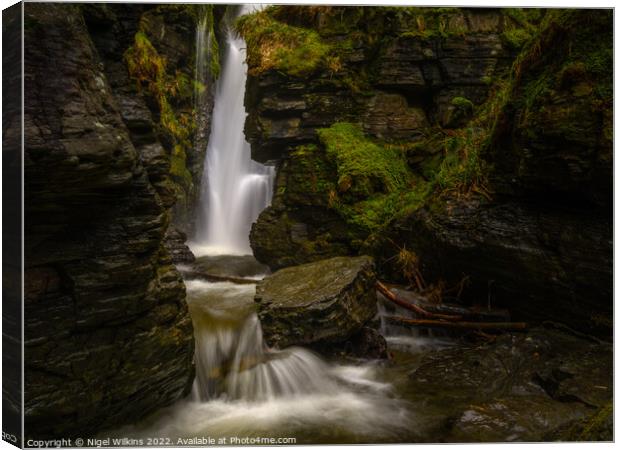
x,y
410,306
473,314
510,326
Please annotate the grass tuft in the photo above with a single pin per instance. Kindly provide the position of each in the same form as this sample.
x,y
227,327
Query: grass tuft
x,y
274,45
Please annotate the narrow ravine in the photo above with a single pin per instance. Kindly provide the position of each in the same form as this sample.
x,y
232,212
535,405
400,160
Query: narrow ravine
x,y
432,387
242,387
312,225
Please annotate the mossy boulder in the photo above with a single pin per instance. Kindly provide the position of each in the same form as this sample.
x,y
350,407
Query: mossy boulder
x,y
317,303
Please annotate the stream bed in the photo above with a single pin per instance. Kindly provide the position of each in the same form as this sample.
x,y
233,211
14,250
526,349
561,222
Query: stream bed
x,y
539,385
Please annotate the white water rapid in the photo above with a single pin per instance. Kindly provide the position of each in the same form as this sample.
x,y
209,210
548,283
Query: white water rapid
x,y
235,189
242,388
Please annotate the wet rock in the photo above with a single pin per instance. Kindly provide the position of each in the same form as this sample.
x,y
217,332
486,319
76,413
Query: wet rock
x,y
171,31
389,116
538,262
175,242
367,343
288,238
108,337
397,89
495,391
542,245
227,267
561,143
322,302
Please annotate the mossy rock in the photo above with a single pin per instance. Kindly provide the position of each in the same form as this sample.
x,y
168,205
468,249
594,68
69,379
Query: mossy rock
x,y
317,303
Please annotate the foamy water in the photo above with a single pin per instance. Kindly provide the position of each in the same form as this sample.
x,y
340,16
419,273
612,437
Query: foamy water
x,y
243,388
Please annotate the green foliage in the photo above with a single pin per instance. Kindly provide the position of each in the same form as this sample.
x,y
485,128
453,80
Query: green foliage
x,y
276,45
515,38
149,69
462,169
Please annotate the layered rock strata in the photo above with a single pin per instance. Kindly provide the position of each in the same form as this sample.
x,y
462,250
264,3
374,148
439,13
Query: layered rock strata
x,y
108,337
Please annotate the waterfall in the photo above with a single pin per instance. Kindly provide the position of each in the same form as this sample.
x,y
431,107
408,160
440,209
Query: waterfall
x,y
235,189
242,387
234,363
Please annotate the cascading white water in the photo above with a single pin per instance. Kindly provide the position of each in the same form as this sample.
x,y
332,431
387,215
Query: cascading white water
x,y
243,388
235,189
232,360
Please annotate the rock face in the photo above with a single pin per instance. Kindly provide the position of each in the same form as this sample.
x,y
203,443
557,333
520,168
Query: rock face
x,y
174,164
108,337
543,245
538,240
539,385
178,249
317,303
397,84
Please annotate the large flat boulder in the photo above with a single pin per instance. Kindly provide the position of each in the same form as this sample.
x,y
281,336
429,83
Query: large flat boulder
x,y
322,302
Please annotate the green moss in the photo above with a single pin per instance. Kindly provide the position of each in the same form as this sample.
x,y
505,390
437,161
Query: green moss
x,y
463,103
515,38
178,167
428,23
581,60
364,167
310,176
597,427
373,182
374,213
462,168
272,44
205,22
149,70
192,10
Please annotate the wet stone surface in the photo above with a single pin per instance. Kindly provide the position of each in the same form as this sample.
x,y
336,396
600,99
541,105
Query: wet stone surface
x,y
322,302
540,385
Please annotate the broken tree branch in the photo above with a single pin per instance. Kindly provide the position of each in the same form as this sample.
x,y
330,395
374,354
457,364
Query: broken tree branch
x,y
410,306
509,326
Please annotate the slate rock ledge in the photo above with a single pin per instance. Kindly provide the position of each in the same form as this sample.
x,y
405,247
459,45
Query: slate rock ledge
x,y
326,301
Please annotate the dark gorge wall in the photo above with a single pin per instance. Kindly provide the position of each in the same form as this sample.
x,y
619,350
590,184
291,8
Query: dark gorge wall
x,y
466,144
149,56
398,73
108,337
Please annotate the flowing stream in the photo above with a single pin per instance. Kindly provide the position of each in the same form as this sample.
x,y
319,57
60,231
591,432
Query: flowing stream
x,y
235,189
242,388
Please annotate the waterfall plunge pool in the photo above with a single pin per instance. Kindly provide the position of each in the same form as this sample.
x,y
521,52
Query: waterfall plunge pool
x,y
431,389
